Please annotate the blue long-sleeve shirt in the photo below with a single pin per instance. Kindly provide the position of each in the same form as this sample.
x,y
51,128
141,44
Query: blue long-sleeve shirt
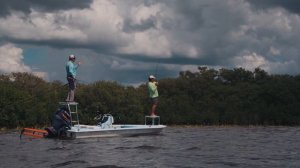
x,y
71,69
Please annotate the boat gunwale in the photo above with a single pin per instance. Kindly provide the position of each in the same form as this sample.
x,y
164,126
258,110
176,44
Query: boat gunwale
x,y
90,128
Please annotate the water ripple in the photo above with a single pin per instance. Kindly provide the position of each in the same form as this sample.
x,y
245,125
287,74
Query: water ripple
x,y
68,163
58,148
148,147
122,148
193,148
106,166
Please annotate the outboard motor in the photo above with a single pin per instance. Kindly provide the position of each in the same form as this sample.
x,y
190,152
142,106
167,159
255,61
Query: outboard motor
x,y
61,122
106,121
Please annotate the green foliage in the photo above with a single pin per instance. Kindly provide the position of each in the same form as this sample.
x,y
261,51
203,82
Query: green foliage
x,y
208,96
22,100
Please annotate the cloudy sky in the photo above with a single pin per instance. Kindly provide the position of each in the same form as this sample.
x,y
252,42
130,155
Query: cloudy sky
x,y
127,40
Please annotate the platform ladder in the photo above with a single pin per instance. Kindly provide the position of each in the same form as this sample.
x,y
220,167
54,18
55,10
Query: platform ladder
x,y
72,108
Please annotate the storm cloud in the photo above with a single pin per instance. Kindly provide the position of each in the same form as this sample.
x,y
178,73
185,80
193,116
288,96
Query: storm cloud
x,y
26,6
131,37
290,5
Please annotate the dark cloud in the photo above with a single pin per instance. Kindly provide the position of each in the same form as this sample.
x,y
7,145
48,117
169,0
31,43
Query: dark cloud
x,y
192,13
7,6
129,26
175,59
63,44
127,39
290,5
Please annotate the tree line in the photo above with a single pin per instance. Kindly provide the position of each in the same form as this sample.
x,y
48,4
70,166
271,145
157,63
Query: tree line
x,y
206,97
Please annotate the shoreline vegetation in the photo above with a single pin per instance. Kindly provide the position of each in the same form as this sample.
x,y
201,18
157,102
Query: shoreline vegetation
x,y
207,97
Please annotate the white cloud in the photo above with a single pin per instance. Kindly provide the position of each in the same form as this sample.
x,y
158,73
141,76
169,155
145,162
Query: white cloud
x,y
151,43
140,12
250,61
12,61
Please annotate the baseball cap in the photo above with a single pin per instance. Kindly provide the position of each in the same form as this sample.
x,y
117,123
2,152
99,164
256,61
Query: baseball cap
x,y
71,56
151,77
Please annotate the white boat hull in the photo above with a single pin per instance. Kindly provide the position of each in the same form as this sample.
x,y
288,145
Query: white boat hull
x,y
90,131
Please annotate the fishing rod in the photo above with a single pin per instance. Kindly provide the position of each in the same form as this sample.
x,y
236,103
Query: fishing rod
x,y
155,74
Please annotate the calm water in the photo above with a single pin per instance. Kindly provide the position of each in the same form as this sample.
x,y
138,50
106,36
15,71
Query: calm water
x,y
205,147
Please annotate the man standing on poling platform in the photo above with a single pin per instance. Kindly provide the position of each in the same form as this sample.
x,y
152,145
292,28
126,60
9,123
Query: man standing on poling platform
x,y
71,69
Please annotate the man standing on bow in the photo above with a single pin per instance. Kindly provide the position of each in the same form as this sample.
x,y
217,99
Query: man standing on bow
x,y
153,93
71,69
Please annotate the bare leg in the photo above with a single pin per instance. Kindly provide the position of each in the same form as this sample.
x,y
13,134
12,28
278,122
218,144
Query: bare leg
x,y
71,94
153,109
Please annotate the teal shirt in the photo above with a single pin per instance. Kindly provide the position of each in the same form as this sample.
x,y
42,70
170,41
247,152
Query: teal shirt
x,y
152,88
71,69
